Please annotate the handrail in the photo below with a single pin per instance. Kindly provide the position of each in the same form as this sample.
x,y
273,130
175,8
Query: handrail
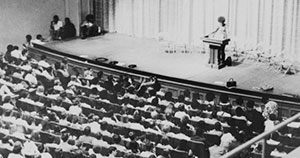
x,y
259,137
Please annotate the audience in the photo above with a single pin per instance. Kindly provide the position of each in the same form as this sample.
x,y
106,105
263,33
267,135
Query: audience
x,y
120,111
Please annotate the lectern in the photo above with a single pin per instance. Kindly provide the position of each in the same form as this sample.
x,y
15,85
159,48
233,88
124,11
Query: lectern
x,y
216,52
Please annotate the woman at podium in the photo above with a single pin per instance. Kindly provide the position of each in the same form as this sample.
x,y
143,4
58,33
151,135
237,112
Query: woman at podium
x,y
217,41
221,32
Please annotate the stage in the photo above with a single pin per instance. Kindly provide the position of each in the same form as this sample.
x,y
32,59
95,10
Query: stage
x,y
149,56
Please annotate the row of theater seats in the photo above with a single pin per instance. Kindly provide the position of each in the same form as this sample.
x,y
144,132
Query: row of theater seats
x,y
104,109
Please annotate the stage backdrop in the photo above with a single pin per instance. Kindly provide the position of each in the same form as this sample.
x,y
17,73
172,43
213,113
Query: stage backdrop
x,y
271,23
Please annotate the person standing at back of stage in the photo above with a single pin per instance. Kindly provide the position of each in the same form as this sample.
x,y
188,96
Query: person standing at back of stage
x,y
55,28
69,29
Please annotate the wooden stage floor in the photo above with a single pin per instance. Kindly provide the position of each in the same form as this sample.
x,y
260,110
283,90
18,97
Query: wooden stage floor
x,y
149,56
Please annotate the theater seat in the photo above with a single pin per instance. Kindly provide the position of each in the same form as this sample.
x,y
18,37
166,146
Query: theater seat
x,y
198,149
4,152
178,154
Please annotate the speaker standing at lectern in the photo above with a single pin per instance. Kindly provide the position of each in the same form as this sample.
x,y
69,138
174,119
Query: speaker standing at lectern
x,y
217,41
220,34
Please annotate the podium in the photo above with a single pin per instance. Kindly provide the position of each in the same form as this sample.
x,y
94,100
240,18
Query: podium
x,y
216,52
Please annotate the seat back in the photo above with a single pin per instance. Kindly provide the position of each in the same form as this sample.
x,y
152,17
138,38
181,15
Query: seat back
x,y
4,152
199,149
178,154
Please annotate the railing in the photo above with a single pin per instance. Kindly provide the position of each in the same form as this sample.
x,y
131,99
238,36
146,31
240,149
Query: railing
x,y
260,137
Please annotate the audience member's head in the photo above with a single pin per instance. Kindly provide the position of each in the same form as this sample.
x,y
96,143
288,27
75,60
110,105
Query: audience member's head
x,y
218,126
250,104
17,148
28,38
116,138
239,111
239,101
164,140
224,98
55,18
210,97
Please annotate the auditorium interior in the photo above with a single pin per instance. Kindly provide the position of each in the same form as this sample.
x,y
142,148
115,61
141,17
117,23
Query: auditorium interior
x,y
150,79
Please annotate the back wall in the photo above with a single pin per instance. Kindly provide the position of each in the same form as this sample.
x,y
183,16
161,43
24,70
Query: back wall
x,y
21,17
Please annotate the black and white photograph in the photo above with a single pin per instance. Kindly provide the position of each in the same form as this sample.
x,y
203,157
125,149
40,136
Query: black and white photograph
x,y
149,78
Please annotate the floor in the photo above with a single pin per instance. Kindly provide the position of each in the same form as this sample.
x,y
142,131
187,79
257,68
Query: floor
x,y
149,55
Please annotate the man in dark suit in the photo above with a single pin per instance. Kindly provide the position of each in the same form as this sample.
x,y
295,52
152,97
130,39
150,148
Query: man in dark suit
x,y
257,126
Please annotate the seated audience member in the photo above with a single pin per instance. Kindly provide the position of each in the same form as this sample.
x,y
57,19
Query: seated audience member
x,y
28,42
164,143
88,74
48,73
39,40
64,145
74,81
270,108
43,63
168,99
199,136
88,28
99,141
7,56
86,138
239,102
97,151
31,78
112,152
43,152
187,95
209,101
17,151
217,129
55,28
228,139
68,30
181,112
255,117
185,128
270,122
180,101
239,114
224,102
15,54
278,152
6,144
6,104
274,140
165,154
148,152
24,57
216,150
117,140
133,145
75,109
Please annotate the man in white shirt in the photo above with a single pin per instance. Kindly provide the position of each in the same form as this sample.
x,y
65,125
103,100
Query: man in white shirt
x,y
16,53
181,113
31,78
55,28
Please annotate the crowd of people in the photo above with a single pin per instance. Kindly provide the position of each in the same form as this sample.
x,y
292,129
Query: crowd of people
x,y
144,109
60,30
